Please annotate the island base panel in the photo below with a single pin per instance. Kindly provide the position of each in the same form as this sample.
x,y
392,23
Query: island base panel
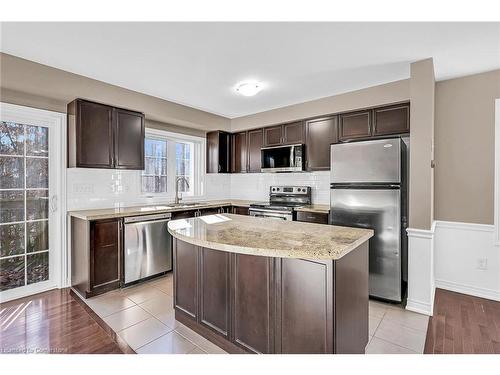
x,y
300,305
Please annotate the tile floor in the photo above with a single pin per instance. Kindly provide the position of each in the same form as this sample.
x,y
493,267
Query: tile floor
x,y
394,330
143,316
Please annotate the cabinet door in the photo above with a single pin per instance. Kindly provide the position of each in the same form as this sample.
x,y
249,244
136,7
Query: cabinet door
x,y
312,217
186,278
183,214
240,210
304,306
391,120
210,211
129,139
255,142
105,254
355,125
94,135
273,135
253,303
293,133
239,152
213,152
320,134
214,290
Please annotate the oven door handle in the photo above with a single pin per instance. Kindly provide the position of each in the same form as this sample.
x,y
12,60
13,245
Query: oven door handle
x,y
269,212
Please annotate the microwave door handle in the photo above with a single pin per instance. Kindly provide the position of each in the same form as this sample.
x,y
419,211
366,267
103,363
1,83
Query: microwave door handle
x,y
292,156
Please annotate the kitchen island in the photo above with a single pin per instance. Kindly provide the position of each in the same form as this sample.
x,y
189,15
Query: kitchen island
x,y
262,285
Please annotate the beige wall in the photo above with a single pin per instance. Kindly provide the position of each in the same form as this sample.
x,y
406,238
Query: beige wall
x,y
24,82
464,147
421,184
372,96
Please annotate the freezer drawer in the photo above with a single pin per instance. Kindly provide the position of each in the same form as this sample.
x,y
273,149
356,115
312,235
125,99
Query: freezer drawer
x,y
147,250
366,162
377,209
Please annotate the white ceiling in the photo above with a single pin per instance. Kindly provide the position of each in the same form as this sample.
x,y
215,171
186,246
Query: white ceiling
x,y
198,64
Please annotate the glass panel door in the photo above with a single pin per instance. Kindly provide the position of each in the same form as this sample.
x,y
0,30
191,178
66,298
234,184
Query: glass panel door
x,y
24,205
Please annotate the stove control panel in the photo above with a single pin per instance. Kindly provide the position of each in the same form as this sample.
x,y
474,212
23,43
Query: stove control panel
x,y
298,190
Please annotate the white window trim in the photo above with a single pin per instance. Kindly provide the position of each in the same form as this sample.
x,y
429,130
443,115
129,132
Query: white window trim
x,y
198,163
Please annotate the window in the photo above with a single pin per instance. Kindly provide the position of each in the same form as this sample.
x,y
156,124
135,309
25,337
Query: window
x,y
169,156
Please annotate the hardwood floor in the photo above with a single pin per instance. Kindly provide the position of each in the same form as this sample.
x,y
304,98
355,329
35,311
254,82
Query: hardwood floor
x,y
463,324
55,322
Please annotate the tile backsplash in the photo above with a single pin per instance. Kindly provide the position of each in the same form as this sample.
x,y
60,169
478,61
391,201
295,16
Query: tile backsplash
x,y
102,188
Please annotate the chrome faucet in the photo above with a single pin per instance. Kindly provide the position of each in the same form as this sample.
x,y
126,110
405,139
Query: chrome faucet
x,y
180,178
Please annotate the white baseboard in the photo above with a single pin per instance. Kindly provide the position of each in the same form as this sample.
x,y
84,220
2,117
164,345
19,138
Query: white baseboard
x,y
420,307
468,289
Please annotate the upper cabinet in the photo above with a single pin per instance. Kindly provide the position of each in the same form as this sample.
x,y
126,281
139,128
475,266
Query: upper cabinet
x,y
101,136
218,152
239,157
273,135
255,142
391,120
320,134
376,122
286,134
241,152
355,125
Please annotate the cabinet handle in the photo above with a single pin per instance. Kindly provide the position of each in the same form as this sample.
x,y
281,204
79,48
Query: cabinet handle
x,y
219,168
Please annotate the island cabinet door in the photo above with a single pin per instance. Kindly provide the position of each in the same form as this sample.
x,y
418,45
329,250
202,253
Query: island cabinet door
x,y
253,303
214,290
186,278
304,306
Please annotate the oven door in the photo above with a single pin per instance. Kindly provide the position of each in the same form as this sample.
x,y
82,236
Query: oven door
x,y
280,215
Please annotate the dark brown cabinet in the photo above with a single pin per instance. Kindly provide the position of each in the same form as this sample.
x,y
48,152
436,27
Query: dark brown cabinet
x,y
214,290
273,135
129,130
96,255
239,162
291,133
312,217
320,134
355,125
305,303
255,142
391,120
218,152
102,136
240,210
186,274
252,285
258,304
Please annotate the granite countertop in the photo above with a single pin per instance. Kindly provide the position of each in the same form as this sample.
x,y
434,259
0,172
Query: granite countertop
x,y
110,213
269,237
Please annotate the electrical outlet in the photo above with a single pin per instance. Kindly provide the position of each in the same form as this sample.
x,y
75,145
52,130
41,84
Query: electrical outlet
x,y
482,263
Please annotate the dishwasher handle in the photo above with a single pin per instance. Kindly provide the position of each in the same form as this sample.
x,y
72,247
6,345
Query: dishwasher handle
x,y
148,218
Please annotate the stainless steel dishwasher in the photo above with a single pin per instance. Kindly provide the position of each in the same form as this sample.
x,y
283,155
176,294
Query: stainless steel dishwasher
x,y
148,246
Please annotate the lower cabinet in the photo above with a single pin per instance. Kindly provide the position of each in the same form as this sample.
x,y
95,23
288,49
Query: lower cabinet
x,y
96,255
240,210
214,290
186,278
256,304
252,287
305,306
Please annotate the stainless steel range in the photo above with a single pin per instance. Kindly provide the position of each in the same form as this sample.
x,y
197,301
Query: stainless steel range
x,y
282,201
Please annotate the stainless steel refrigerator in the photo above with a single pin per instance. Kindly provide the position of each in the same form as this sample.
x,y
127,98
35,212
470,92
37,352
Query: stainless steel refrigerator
x,y
369,190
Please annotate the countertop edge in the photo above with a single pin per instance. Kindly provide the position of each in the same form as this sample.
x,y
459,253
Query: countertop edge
x,y
266,252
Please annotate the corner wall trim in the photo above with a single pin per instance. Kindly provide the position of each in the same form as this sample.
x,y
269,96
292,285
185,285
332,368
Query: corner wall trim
x,y
419,307
496,201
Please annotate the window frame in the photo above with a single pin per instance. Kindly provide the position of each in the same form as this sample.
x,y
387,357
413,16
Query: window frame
x,y
197,163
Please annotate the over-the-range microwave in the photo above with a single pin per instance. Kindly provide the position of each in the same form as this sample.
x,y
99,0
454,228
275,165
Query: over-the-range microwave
x,y
287,158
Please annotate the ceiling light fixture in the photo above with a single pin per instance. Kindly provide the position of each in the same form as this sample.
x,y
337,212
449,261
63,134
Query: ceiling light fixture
x,y
249,88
